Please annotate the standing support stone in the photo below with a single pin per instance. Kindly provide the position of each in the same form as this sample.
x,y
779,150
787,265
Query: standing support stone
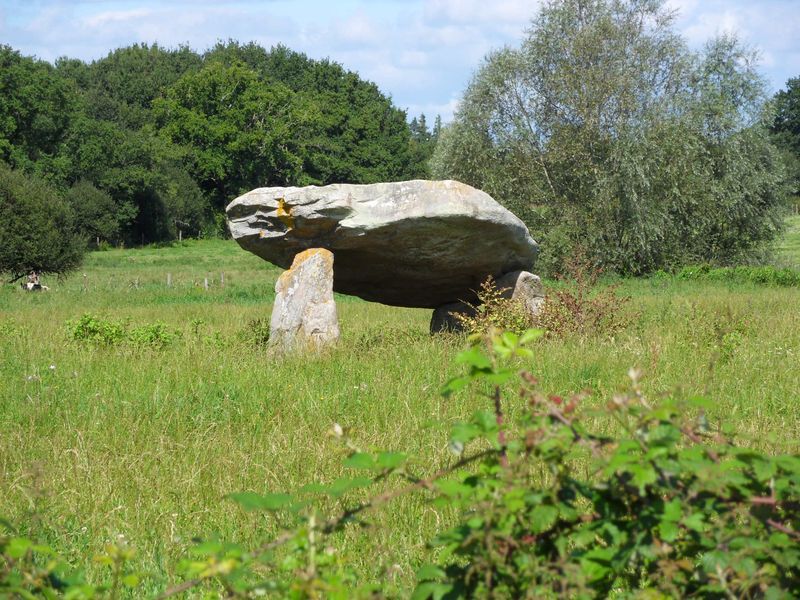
x,y
444,317
525,287
304,315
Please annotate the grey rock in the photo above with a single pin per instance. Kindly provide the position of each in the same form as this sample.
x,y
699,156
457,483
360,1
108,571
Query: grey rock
x,y
304,314
412,243
523,286
444,317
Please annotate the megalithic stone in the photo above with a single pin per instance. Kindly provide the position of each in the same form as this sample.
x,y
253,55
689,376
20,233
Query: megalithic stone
x,y
524,287
408,243
304,314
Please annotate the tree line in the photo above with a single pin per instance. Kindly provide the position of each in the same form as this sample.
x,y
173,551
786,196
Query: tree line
x,y
151,141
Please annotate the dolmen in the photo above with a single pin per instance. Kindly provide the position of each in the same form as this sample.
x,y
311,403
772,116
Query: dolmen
x,y
422,244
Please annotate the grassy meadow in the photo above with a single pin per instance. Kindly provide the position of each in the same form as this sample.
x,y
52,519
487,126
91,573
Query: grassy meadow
x,y
142,444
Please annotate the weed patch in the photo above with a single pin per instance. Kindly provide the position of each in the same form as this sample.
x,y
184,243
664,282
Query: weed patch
x,y
90,329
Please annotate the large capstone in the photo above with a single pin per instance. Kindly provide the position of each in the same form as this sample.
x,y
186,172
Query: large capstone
x,y
411,243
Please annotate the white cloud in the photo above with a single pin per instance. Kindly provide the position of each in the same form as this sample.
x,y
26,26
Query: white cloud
x,y
708,25
114,17
489,13
358,29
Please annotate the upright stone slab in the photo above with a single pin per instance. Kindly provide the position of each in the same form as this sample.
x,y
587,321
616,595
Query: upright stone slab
x,y
525,287
304,315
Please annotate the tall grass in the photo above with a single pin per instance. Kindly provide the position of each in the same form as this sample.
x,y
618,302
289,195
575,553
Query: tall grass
x,y
99,443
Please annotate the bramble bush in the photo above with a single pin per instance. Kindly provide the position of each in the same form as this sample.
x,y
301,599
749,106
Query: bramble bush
x,y
495,310
657,503
582,307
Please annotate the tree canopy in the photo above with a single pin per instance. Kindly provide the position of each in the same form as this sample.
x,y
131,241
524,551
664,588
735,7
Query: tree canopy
x,y
611,138
37,227
149,140
786,128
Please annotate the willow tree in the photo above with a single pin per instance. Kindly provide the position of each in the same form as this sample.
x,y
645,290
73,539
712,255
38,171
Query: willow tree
x,y
610,137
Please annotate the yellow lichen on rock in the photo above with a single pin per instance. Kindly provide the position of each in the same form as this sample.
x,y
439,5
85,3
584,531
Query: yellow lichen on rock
x,y
304,314
301,257
284,213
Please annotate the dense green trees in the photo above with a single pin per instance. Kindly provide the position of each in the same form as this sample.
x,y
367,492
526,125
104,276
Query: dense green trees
x,y
35,109
609,137
97,217
150,141
786,128
351,131
37,229
238,129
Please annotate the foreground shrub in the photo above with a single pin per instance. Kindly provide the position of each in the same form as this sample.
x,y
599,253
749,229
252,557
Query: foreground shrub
x,y
663,506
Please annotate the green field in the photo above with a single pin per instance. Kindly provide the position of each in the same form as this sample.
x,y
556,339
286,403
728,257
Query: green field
x,y
788,250
103,443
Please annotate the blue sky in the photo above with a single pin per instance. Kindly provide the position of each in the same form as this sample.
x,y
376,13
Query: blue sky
x,y
421,52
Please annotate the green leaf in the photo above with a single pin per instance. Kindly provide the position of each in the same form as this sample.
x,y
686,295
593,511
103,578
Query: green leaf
x,y
360,460
524,352
500,377
509,339
543,517
455,384
695,522
765,469
474,358
430,572
464,432
313,488
18,547
391,460
530,335
700,402
485,420
672,511
643,475
431,590
344,484
206,549
451,487
668,530
596,563
251,501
